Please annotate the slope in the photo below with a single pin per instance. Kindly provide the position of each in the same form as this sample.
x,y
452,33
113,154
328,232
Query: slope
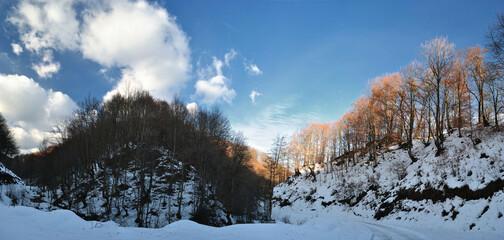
x,y
461,190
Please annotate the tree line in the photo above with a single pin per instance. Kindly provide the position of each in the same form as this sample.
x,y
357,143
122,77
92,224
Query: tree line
x,y
103,144
439,93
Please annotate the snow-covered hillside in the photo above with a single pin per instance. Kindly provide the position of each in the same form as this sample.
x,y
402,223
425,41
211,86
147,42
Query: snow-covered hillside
x,y
12,188
460,190
87,199
8,177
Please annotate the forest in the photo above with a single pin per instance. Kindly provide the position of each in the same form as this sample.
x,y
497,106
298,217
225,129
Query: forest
x,y
442,92
135,142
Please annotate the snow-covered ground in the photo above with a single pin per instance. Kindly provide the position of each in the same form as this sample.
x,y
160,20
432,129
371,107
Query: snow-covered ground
x,y
28,223
350,225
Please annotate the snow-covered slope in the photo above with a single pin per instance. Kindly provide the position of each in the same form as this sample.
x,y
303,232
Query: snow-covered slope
x,y
12,188
8,177
169,192
461,190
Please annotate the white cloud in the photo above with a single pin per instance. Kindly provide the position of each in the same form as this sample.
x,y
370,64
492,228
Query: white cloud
x,y
192,108
253,69
143,39
213,85
31,110
229,56
214,89
46,24
253,95
140,38
16,48
47,67
46,70
28,139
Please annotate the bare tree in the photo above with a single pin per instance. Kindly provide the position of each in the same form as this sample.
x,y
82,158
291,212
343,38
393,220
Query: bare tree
x,y
278,152
438,56
495,38
479,75
410,87
496,93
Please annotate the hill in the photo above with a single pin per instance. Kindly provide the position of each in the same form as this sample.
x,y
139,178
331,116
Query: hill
x,y
462,189
145,162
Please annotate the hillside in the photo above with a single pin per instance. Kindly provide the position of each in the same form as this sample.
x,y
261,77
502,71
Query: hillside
x,y
172,198
8,177
462,189
145,162
173,184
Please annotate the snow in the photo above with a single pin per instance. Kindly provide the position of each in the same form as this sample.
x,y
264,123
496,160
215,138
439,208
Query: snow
x,y
361,190
339,204
63,224
7,176
164,200
28,223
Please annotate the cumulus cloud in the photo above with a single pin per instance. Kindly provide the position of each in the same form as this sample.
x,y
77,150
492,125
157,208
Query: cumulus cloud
x,y
253,95
46,24
16,48
28,139
140,38
213,85
31,110
192,108
46,70
253,69
47,67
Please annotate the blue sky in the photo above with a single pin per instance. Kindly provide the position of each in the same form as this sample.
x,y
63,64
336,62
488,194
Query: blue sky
x,y
313,59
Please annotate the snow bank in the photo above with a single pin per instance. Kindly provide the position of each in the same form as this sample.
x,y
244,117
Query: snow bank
x,y
28,223
31,224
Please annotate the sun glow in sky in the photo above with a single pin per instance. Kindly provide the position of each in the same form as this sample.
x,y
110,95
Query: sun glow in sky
x,y
270,65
